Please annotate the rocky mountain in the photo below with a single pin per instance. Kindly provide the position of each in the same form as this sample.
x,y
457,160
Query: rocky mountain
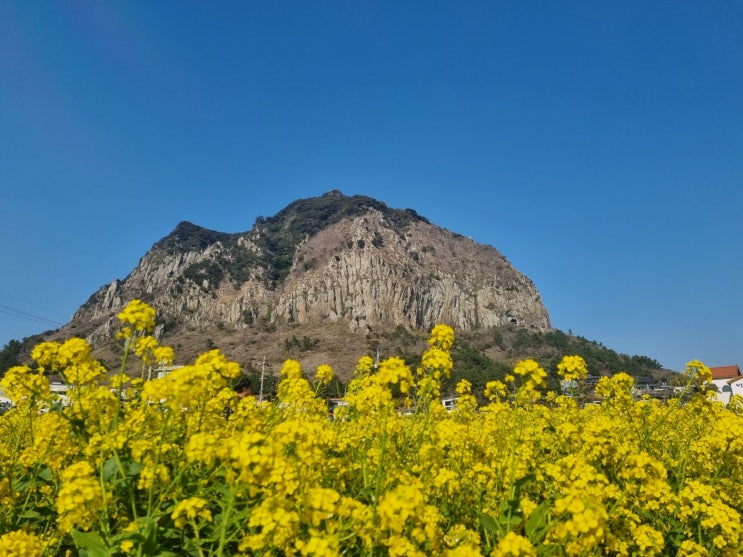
x,y
331,267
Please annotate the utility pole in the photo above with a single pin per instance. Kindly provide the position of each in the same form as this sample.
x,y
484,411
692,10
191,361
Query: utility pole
x,y
263,372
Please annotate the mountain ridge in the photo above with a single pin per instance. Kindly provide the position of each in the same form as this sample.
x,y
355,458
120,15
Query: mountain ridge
x,y
327,280
347,263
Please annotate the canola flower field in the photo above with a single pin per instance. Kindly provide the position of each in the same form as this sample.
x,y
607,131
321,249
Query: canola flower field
x,y
182,466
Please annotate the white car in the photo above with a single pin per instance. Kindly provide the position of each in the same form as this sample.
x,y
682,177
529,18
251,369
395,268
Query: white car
x,y
5,404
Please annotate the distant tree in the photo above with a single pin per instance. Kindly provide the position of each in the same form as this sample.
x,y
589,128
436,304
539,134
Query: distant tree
x,y
10,356
474,366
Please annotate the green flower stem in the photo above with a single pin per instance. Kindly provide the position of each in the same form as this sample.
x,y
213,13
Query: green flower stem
x,y
225,522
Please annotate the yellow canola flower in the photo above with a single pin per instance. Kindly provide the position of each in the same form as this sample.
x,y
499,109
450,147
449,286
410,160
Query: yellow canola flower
x,y
45,354
533,379
138,315
699,507
144,348
324,373
636,479
217,363
495,390
617,387
367,395
395,371
21,383
72,358
364,366
438,362
466,402
580,523
647,540
295,394
51,444
191,509
276,526
291,369
442,337
462,542
79,498
76,363
407,521
205,447
572,368
20,543
403,503
164,355
153,474
689,548
73,351
698,372
319,546
319,505
644,478
530,370
125,333
514,545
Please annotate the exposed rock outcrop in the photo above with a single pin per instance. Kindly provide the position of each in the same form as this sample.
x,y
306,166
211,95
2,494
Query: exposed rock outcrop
x,y
332,259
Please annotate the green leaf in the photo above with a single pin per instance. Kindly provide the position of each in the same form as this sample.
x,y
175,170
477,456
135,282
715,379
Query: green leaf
x,y
134,468
489,524
91,544
510,514
535,527
45,474
508,523
31,515
21,485
511,506
110,468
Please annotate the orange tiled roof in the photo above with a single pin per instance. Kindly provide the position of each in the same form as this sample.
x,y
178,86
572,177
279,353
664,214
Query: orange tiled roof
x,y
725,372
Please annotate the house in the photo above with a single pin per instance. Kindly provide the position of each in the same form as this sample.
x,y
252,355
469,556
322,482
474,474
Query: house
x,y
450,403
728,381
335,403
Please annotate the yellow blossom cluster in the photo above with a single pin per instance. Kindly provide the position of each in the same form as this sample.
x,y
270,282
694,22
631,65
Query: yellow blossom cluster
x,y
18,543
533,380
139,316
699,372
572,368
442,337
181,465
324,373
79,497
22,384
191,510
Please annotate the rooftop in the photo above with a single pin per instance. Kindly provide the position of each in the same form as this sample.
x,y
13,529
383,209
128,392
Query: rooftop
x,y
725,372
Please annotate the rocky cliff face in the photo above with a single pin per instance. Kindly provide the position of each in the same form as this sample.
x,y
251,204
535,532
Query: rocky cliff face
x,y
333,259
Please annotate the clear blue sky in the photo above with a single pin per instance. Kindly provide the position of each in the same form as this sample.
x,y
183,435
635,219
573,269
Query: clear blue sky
x,y
598,145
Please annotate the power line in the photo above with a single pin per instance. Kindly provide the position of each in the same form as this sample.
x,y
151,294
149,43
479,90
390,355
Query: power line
x,y
24,302
7,310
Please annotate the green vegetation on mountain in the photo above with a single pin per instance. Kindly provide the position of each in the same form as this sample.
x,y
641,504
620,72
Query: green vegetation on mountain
x,y
17,352
276,238
479,357
279,236
483,356
190,237
10,355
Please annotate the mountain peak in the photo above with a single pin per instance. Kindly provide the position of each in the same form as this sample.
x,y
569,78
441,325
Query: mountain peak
x,y
330,262
187,236
279,236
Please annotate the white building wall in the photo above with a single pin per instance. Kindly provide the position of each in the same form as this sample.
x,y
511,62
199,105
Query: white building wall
x,y
727,388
